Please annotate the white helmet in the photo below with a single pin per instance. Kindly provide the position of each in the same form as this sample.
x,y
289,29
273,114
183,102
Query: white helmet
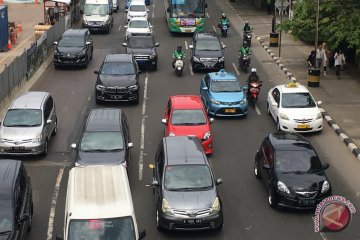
x,y
253,70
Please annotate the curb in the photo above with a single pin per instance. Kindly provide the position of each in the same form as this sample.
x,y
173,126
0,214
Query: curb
x,y
331,122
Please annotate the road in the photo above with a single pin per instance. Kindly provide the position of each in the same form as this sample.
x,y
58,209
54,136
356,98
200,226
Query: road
x,y
246,212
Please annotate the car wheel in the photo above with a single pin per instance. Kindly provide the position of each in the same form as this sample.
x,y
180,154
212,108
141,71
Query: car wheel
x,y
45,152
278,125
256,170
55,128
268,108
159,227
272,198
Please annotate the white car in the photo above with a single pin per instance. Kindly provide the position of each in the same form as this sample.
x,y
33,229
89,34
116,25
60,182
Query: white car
x,y
138,25
294,109
137,9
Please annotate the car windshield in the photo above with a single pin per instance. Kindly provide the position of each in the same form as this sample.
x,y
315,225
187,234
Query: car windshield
x,y
23,118
102,229
96,9
138,24
187,177
72,41
102,141
303,161
297,100
208,45
141,42
188,117
6,215
225,86
117,68
137,8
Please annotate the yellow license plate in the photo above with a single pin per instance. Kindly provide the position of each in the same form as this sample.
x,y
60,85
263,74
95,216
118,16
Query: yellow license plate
x,y
187,30
303,126
230,110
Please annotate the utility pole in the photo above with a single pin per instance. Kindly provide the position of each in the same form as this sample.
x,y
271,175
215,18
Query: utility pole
x,y
281,17
317,24
274,19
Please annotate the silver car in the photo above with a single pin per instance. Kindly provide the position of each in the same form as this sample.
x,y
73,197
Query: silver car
x,y
28,124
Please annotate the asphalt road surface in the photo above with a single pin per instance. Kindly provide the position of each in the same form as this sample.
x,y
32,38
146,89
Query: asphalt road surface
x,y
246,211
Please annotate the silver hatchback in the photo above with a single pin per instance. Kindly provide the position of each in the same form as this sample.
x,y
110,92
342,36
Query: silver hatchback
x,y
28,124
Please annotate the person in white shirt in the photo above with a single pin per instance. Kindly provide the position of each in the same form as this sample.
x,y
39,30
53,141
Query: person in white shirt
x,y
321,58
339,62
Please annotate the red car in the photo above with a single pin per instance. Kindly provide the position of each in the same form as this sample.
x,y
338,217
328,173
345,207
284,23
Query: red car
x,y
185,115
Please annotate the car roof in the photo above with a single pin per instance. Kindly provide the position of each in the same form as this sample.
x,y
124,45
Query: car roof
x,y
205,35
289,141
97,191
75,32
104,119
182,150
9,170
139,19
30,100
222,75
186,102
118,57
292,88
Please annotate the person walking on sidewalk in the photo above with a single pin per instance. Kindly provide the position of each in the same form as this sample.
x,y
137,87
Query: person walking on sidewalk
x,y
320,58
311,59
339,62
326,52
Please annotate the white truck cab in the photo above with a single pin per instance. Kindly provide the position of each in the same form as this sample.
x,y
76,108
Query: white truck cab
x,y
98,15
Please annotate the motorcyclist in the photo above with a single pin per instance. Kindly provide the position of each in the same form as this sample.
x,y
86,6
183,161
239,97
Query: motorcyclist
x,y
247,27
223,20
245,50
253,77
178,53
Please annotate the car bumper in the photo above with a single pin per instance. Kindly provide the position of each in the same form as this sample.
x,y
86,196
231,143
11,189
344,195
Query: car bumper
x,y
94,28
208,66
65,61
238,110
297,203
117,97
199,223
25,149
291,126
146,63
207,146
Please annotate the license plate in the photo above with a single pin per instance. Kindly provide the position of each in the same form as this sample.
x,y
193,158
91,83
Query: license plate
x,y
307,201
187,30
303,126
230,110
17,148
192,221
116,97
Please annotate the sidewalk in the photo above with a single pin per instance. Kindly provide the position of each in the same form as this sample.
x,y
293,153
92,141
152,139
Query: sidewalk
x,y
340,97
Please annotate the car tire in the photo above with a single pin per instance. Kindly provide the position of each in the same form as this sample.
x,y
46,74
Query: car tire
x,y
268,109
193,67
158,225
55,128
271,198
46,148
256,170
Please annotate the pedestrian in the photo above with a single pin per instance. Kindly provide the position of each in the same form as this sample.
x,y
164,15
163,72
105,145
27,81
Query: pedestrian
x,y
326,54
268,6
320,58
339,62
311,59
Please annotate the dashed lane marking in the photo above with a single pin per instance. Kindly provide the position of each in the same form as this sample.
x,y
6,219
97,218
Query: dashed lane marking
x,y
142,136
207,15
186,45
191,70
235,68
257,110
214,28
119,28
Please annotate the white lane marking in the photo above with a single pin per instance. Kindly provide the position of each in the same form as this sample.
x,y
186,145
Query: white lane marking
x,y
119,28
53,204
153,14
191,70
186,45
214,28
257,110
207,15
142,136
236,70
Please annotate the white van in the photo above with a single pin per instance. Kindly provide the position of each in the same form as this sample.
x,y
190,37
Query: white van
x,y
99,205
98,15
137,8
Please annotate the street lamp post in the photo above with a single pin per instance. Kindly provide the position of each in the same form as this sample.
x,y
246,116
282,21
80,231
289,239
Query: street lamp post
x,y
317,24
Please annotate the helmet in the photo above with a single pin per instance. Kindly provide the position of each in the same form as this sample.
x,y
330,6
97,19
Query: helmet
x,y
253,70
223,15
246,22
179,48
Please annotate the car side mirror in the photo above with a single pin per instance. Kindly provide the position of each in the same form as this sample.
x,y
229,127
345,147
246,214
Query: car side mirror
x,y
56,43
59,237
326,166
224,46
73,145
155,183
126,10
319,103
191,46
96,72
157,44
142,234
88,43
124,44
205,88
164,121
147,10
219,181
275,104
168,9
130,145
126,26
212,120
266,167
48,121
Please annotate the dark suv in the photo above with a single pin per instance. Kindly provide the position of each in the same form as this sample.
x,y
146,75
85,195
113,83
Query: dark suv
x,y
185,186
291,171
16,205
143,47
117,79
105,139
207,52
75,48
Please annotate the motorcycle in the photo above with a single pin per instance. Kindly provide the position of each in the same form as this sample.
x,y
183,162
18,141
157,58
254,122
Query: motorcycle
x,y
253,91
179,66
244,62
247,39
224,29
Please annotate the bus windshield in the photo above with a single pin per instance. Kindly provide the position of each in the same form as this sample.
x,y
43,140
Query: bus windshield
x,y
187,8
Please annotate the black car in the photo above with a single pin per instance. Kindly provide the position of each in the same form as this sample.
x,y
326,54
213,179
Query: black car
x,y
207,52
143,47
291,171
105,139
117,79
75,48
185,187
16,205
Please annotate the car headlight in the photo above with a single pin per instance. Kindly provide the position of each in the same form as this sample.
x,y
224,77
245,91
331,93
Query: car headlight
x,y
171,134
319,116
83,52
195,59
133,87
37,139
282,187
216,205
85,22
221,59
244,101
165,206
207,135
152,56
2,140
284,116
325,187
100,88
214,101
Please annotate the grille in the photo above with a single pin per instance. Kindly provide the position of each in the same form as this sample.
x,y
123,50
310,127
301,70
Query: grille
x,y
215,60
304,120
18,150
306,194
230,103
17,142
116,90
196,213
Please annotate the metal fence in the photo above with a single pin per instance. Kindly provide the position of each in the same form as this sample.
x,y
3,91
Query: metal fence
x,y
24,66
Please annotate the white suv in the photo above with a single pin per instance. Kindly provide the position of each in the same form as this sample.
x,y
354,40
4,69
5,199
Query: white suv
x,y
138,25
137,9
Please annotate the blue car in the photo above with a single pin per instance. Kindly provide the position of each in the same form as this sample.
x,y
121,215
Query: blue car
x,y
223,95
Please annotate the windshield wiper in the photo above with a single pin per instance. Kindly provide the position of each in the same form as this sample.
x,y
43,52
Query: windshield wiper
x,y
95,150
5,232
21,125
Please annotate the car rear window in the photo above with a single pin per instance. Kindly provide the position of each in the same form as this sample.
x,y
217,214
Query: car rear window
x,y
225,86
297,100
302,161
117,68
188,117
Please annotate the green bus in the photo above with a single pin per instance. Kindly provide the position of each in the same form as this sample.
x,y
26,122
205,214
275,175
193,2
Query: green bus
x,y
185,16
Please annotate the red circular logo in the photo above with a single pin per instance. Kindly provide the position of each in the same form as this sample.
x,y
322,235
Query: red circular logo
x,y
335,216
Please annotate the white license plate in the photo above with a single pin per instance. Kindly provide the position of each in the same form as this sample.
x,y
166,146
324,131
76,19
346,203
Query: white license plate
x,y
192,221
